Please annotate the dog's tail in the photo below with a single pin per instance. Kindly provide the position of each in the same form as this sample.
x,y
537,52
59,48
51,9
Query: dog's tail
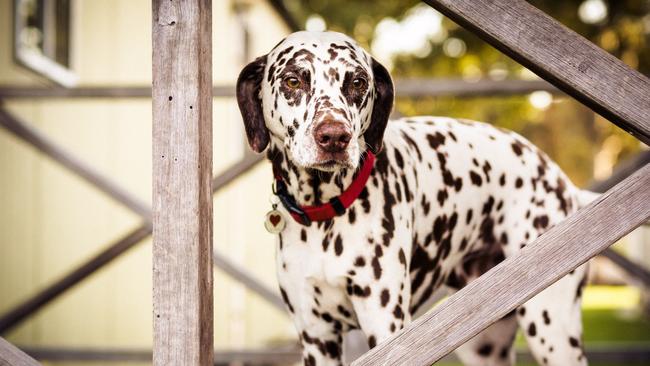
x,y
585,197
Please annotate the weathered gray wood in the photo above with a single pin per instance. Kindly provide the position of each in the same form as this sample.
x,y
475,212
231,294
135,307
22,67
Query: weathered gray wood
x,y
622,171
242,276
406,88
34,303
182,175
619,355
39,141
17,314
559,55
12,356
257,356
633,269
109,92
423,88
515,280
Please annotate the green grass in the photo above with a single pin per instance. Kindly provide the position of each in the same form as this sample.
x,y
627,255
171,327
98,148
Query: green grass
x,y
610,319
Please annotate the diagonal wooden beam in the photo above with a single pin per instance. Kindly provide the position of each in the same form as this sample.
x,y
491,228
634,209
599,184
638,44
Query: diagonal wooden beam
x,y
560,56
10,355
512,282
406,88
28,307
623,170
633,269
39,141
21,311
234,271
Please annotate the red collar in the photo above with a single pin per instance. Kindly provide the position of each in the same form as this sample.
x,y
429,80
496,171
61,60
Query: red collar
x,y
335,207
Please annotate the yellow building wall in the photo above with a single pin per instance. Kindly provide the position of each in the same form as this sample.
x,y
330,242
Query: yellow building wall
x,y
51,220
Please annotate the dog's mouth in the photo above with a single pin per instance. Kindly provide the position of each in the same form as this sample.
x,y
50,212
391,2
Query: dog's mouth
x,y
331,165
332,162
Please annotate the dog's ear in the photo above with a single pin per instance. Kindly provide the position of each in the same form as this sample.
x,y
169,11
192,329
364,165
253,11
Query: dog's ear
x,y
383,105
249,84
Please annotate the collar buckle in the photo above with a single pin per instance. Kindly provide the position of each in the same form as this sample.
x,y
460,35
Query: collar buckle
x,y
280,190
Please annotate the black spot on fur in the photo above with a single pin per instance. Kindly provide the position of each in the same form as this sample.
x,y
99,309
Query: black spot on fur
x,y
475,178
372,341
532,330
540,222
485,350
519,182
436,140
376,268
385,297
338,245
359,262
285,298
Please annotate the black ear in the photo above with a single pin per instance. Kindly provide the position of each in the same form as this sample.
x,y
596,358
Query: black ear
x,y
249,84
383,105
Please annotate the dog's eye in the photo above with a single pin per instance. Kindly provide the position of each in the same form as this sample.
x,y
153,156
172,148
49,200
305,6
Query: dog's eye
x,y
292,82
359,83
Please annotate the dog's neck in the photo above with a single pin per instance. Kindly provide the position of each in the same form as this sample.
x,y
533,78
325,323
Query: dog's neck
x,y
308,186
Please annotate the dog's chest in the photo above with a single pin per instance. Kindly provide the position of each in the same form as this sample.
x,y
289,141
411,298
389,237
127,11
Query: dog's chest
x,y
321,255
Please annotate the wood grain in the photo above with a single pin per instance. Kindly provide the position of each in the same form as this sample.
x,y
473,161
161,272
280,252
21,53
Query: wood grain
x,y
405,88
560,56
182,174
46,146
511,283
31,305
12,356
28,307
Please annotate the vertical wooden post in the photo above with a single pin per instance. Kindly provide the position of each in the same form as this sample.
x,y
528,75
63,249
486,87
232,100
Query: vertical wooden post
x,y
182,194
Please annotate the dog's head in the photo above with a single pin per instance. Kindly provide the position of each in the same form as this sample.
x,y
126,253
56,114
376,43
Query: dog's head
x,y
319,94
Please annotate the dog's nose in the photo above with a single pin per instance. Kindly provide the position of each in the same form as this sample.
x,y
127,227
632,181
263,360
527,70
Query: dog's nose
x,y
332,137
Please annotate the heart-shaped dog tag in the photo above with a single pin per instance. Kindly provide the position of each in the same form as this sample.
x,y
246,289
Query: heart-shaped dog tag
x,y
274,222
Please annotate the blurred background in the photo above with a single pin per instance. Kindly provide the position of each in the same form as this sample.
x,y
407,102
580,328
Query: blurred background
x,y
75,164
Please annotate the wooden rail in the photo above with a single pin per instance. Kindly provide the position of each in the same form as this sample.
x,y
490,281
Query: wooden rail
x,y
28,307
255,356
518,278
182,176
406,88
30,135
117,248
560,56
12,356
619,355
601,82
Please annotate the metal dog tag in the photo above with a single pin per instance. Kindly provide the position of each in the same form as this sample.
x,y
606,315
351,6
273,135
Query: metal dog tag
x,y
274,221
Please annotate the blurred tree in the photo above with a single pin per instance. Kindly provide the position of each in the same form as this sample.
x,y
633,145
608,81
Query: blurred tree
x,y
570,133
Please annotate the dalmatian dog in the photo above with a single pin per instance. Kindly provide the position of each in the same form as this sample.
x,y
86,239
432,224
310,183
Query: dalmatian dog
x,y
404,206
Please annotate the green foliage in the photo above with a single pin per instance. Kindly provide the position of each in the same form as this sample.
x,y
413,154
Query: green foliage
x,y
567,131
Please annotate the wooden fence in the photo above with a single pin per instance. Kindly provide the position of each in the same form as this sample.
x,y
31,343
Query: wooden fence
x,y
601,82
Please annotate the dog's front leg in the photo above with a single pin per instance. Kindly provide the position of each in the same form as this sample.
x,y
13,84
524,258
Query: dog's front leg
x,y
380,296
322,345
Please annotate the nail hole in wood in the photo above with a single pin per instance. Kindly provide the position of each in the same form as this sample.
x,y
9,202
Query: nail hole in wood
x,y
170,98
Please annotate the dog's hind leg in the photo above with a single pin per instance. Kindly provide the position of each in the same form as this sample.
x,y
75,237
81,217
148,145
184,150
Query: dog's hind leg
x,y
491,347
551,322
